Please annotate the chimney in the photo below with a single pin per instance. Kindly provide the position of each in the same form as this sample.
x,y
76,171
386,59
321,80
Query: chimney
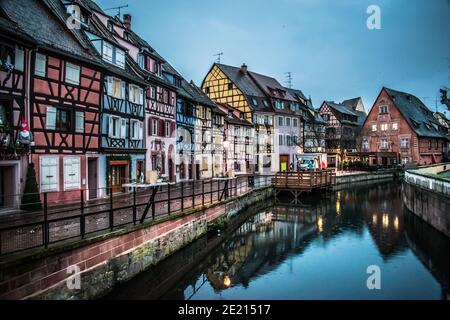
x,y
127,21
244,68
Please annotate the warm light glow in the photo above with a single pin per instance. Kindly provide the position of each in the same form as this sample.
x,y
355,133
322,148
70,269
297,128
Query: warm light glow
x,y
320,224
396,223
299,150
227,281
374,219
338,207
266,139
319,149
385,221
226,144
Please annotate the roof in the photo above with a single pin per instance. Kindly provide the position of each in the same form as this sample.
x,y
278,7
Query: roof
x,y
34,18
417,114
351,103
271,87
341,108
247,86
233,119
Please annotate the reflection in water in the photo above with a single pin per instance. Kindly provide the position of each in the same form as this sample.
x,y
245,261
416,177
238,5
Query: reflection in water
x,y
320,250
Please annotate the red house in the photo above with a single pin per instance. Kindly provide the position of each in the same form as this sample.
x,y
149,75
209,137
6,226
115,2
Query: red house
x,y
401,129
64,94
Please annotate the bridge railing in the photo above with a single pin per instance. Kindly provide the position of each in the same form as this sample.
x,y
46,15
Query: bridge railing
x,y
306,180
83,219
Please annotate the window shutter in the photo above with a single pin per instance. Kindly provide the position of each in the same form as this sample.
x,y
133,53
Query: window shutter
x,y
123,128
110,86
161,128
141,130
130,93
71,173
41,63
49,174
149,126
19,59
172,128
123,96
110,126
141,96
50,118
79,122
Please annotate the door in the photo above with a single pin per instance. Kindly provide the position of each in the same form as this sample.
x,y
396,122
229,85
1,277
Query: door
x,y
118,178
92,178
284,163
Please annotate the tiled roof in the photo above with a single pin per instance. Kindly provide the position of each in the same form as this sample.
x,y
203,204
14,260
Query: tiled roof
x,y
248,87
233,119
35,19
271,86
418,116
341,108
351,103
196,94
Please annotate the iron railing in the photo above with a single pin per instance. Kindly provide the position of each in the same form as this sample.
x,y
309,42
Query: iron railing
x,y
81,219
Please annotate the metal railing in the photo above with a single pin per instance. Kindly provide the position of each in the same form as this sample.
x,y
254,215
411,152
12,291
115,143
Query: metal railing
x,y
82,219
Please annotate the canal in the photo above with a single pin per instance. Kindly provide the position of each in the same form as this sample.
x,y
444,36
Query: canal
x,y
318,250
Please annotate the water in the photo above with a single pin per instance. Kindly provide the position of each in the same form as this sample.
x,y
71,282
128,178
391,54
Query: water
x,y
320,250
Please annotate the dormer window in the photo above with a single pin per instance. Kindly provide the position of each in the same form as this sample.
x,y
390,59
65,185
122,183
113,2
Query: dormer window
x,y
113,55
110,26
255,103
141,60
266,104
415,123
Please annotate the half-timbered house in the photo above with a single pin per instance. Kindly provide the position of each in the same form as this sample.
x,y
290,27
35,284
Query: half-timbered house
x,y
234,86
65,93
15,50
160,96
121,136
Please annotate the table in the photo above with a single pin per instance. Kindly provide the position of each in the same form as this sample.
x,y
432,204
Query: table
x,y
151,201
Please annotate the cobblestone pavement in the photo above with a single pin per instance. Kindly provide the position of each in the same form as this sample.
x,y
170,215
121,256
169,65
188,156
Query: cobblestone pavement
x,y
26,231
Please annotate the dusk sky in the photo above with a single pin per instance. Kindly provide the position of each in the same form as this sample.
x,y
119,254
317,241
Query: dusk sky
x,y
326,45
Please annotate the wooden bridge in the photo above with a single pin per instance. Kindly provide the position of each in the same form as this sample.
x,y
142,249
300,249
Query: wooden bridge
x,y
304,181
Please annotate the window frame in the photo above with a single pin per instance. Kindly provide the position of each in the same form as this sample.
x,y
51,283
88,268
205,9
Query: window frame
x,y
40,73
77,68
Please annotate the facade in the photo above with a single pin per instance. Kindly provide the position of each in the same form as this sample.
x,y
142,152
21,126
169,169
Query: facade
x,y
15,53
400,129
342,129
159,98
238,142
235,86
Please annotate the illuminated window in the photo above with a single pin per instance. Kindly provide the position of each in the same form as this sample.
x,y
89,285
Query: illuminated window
x,y
374,127
395,126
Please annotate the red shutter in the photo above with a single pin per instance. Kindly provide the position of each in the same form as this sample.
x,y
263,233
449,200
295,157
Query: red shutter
x,y
161,128
173,127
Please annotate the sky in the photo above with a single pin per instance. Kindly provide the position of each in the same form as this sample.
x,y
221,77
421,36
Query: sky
x,y
325,44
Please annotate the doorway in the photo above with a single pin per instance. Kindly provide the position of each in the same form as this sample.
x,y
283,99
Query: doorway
x,y
171,173
92,178
284,163
118,176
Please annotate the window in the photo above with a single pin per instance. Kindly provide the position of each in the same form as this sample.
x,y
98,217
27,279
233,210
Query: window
x,y
280,139
384,127
436,146
295,122
288,140
429,144
79,122
153,92
383,109
266,104
405,160
136,95
154,127
365,145
167,128
395,126
166,96
288,122
141,60
230,86
57,119
107,51
19,59
136,130
41,65
72,171
117,127
3,119
120,58
384,144
374,127
49,174
404,143
116,88
72,73
280,121
207,90
255,103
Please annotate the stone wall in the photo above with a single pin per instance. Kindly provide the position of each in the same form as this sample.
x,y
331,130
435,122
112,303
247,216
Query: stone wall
x,y
115,258
431,206
352,178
